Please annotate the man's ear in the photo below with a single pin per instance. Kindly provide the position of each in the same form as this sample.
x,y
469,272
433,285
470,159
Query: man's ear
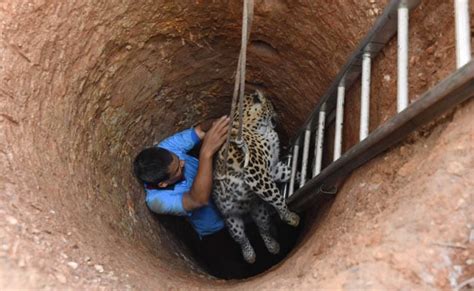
x,y
162,184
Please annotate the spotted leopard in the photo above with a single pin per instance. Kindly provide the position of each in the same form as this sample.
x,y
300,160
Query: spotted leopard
x,y
253,167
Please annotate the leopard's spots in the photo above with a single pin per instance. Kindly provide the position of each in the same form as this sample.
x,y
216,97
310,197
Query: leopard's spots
x,y
252,189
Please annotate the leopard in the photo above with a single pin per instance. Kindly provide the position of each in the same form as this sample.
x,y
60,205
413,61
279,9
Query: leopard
x,y
245,183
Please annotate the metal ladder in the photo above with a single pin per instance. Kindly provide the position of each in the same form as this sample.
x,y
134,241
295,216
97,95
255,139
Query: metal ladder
x,y
315,183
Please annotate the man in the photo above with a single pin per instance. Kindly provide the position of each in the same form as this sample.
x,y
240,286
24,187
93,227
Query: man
x,y
179,184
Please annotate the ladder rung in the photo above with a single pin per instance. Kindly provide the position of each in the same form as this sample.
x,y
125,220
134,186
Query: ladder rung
x,y
294,163
318,156
339,122
304,160
463,32
365,97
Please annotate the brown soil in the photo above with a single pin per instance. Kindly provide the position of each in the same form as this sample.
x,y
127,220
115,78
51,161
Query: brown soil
x,y
85,86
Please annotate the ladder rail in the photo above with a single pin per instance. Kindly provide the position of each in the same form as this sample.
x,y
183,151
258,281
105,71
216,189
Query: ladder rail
x,y
381,33
453,90
383,30
442,97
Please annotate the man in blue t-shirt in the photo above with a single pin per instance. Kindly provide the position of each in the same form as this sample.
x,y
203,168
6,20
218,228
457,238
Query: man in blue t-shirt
x,y
179,184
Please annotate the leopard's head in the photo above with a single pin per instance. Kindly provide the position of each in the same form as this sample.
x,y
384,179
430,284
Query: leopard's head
x,y
258,110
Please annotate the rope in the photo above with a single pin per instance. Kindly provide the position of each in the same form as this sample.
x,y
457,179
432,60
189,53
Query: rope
x,y
239,85
246,23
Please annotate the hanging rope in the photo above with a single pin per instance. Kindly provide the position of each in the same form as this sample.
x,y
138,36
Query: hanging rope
x,y
239,85
246,24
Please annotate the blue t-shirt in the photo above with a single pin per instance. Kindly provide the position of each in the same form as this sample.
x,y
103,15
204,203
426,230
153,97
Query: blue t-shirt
x,y
205,220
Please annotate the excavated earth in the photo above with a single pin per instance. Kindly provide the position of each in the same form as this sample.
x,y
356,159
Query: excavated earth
x,y
85,85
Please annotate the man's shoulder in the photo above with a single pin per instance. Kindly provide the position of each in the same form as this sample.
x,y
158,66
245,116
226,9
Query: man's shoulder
x,y
181,141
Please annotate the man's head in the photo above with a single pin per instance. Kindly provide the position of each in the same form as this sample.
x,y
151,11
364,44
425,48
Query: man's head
x,y
158,167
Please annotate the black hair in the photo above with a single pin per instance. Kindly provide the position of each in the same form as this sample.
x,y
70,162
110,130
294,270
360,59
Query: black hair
x,y
151,165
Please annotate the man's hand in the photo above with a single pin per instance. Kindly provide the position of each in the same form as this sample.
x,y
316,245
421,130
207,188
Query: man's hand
x,y
200,192
215,137
207,124
204,126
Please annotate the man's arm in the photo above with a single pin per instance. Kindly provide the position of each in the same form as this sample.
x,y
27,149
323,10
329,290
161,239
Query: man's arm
x,y
200,191
165,203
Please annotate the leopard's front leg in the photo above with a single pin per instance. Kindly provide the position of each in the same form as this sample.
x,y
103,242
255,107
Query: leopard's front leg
x,y
281,172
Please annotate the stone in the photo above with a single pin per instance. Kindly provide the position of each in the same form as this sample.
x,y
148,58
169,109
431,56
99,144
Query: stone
x,y
430,50
22,263
11,220
455,168
73,265
61,278
378,255
99,268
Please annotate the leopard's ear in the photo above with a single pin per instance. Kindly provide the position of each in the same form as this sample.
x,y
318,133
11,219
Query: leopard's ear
x,y
273,121
260,94
256,98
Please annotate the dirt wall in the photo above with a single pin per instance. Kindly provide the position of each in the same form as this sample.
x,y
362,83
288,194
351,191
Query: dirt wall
x,y
86,85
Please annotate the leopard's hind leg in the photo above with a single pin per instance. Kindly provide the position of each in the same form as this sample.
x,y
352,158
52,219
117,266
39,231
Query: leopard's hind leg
x,y
281,172
263,185
236,228
261,216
